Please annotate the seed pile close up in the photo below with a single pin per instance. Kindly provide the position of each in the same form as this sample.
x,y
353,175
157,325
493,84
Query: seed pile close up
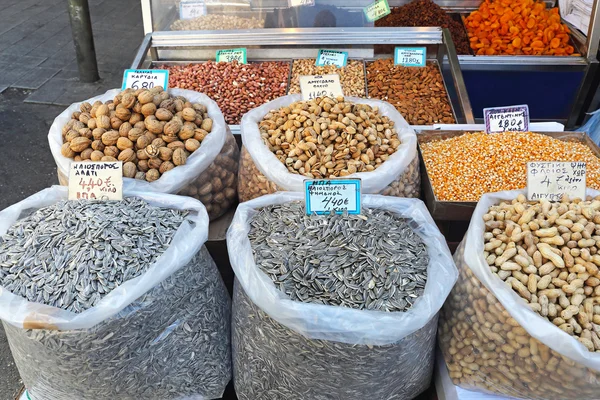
x,y
417,93
352,76
464,167
71,254
372,261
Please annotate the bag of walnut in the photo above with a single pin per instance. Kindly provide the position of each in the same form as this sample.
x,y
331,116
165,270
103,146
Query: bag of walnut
x,y
287,141
522,319
173,141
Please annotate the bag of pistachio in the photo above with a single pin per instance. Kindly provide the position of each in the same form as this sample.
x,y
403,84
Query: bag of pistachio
x,y
335,306
523,319
288,140
173,141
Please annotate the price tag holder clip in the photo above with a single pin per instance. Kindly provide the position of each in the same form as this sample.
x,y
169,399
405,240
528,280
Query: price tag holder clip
x,y
325,195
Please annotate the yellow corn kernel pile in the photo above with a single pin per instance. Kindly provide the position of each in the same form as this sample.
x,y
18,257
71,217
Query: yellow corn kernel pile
x,y
464,167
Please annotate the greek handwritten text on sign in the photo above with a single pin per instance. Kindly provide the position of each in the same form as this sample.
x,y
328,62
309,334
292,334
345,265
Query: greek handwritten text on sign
x,y
313,86
230,55
338,195
332,57
145,78
191,9
552,180
377,10
506,119
101,180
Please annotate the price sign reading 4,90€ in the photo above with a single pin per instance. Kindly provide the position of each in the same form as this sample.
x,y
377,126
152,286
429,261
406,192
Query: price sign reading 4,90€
x,y
377,10
332,57
551,180
101,180
339,195
313,86
410,56
191,9
506,119
230,55
145,78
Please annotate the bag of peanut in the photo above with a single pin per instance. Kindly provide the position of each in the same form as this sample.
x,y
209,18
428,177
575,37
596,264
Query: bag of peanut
x,y
287,141
173,141
523,319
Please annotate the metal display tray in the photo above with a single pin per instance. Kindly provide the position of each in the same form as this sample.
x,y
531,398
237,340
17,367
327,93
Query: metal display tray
x,y
463,210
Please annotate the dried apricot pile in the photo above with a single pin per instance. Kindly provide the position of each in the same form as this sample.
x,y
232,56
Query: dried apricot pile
x,y
517,27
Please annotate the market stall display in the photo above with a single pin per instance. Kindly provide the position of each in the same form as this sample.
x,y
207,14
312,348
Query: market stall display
x,y
331,310
92,289
352,76
522,319
236,88
289,140
165,139
419,94
425,13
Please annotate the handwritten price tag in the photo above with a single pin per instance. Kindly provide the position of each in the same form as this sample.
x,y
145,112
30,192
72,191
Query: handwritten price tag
x,y
339,195
332,57
191,9
298,3
506,119
230,55
313,86
145,78
96,180
552,180
377,10
410,56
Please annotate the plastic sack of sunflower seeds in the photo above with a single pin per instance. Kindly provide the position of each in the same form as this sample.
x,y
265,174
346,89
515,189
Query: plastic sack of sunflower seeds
x,y
394,165
118,299
335,307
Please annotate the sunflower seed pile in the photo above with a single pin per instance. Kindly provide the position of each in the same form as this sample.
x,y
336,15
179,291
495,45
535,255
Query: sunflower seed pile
x,y
171,343
372,261
273,362
72,253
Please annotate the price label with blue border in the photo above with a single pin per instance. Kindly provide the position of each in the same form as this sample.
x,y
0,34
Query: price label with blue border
x,y
506,119
230,55
323,196
410,56
145,78
331,57
191,9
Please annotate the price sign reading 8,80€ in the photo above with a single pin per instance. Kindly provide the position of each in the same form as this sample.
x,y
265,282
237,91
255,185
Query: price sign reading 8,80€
x,y
313,86
410,56
377,10
145,78
102,180
230,55
325,195
506,119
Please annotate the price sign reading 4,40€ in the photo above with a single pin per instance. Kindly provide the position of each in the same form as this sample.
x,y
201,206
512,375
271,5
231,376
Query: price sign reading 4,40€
x,y
101,180
410,56
191,9
332,57
145,78
506,119
339,195
551,180
377,10
313,86
230,55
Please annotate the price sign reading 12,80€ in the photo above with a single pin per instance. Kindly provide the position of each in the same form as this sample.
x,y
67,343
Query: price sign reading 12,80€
x,y
145,78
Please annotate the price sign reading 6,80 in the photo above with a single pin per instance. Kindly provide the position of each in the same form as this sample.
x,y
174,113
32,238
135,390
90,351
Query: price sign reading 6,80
x,y
145,78
230,55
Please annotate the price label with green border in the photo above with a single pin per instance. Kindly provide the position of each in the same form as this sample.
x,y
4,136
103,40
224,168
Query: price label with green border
x,y
229,55
377,10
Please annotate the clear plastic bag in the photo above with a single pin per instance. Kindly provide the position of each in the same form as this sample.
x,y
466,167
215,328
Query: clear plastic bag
x,y
493,342
215,149
273,345
261,171
148,326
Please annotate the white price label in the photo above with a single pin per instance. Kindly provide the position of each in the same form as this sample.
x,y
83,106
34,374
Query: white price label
x,y
313,86
191,9
551,180
327,195
145,78
332,57
298,3
506,119
102,180
410,56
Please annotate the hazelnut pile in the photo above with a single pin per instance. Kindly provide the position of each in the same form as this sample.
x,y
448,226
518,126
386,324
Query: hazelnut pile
x,y
151,131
